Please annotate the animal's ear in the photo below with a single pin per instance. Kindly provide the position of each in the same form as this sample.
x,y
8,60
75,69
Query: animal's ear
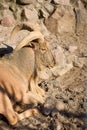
x,y
44,46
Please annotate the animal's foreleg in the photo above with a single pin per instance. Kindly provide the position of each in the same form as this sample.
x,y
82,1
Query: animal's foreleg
x,y
6,108
27,113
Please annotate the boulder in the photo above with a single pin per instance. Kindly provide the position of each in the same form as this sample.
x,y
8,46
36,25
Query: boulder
x,y
60,105
59,56
49,7
44,13
78,62
40,1
7,21
62,21
72,49
81,19
43,29
29,13
45,74
61,70
62,2
5,12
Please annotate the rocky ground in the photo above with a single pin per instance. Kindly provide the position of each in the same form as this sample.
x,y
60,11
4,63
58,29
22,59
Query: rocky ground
x,y
64,70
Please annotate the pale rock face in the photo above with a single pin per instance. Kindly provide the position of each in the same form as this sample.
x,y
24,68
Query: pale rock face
x,y
5,12
40,1
49,7
61,70
45,74
44,13
62,2
30,14
59,126
80,18
72,49
60,106
59,56
65,25
78,62
62,21
7,21
43,29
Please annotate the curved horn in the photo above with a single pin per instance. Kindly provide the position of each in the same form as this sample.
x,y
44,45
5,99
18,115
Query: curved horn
x,y
16,29
23,26
32,36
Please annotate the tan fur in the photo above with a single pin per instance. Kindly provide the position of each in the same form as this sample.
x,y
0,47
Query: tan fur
x,y
18,80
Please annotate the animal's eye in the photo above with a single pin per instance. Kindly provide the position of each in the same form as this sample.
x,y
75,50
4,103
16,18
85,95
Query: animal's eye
x,y
43,50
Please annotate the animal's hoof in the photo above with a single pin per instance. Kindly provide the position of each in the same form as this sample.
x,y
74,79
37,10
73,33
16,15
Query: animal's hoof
x,y
35,111
14,120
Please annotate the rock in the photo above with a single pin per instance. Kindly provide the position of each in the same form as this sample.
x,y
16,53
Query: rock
x,y
1,1
27,1
62,21
52,22
84,1
3,6
59,13
72,49
60,106
30,14
48,106
7,21
5,12
40,1
62,2
43,1
18,14
56,83
45,74
78,62
49,7
44,13
58,55
60,70
51,25
84,52
47,109
13,6
80,18
67,23
59,126
43,29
